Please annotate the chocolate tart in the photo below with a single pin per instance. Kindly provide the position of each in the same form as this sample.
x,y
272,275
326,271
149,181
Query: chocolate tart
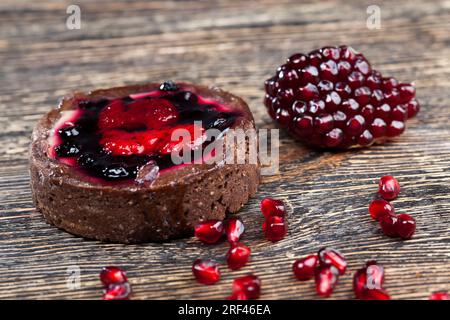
x,y
100,163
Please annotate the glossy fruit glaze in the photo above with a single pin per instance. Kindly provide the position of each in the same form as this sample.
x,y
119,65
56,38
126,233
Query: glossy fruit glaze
x,y
124,138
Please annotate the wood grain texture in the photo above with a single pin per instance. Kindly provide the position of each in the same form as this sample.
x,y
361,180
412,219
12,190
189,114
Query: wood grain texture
x,y
236,45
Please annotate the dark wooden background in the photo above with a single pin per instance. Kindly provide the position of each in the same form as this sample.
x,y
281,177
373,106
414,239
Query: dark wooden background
x,y
236,45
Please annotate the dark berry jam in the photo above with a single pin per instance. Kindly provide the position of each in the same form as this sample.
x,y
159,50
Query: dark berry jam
x,y
113,139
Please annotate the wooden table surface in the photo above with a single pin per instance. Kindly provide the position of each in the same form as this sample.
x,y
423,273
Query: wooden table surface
x,y
235,45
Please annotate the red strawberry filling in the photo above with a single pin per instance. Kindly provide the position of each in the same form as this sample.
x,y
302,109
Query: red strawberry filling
x,y
113,139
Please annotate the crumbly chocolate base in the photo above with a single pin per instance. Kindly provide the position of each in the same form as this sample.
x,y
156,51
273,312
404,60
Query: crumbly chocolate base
x,y
167,209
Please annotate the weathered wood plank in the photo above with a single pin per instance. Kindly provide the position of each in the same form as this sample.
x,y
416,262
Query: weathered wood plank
x,y
235,45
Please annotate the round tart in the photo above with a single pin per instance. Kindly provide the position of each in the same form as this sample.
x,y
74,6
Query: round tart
x,y
101,164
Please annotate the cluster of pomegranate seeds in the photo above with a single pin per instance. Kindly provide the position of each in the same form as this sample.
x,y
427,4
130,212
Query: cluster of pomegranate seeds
x,y
326,266
393,225
275,224
206,271
116,284
332,98
440,295
368,282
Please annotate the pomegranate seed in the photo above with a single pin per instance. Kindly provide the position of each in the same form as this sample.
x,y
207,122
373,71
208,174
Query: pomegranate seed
x,y
275,228
389,188
237,256
388,224
110,275
272,207
375,294
413,108
206,271
326,280
332,258
359,282
440,295
234,228
250,285
209,231
238,296
380,207
406,226
304,268
117,291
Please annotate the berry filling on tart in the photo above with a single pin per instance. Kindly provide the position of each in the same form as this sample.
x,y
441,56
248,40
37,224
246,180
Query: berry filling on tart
x,y
128,137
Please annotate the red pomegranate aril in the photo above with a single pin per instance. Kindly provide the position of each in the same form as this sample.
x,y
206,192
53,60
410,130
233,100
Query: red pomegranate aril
x,y
206,271
378,128
330,257
334,137
375,294
332,101
405,226
271,86
283,116
324,123
399,113
389,188
365,139
362,95
439,295
413,107
330,53
359,282
325,86
117,291
395,128
344,69
110,275
325,280
377,98
237,256
303,125
307,92
250,285
380,207
355,125
210,231
350,107
272,207
234,228
304,268
388,224
297,60
407,92
389,83
275,228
